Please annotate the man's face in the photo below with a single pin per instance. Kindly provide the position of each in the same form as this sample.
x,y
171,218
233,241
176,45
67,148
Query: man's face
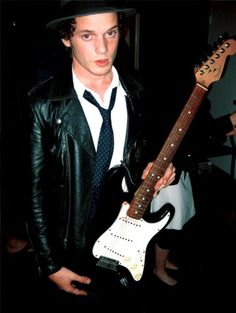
x,y
94,43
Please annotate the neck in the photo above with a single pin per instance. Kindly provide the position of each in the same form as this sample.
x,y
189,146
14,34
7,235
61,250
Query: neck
x,y
97,83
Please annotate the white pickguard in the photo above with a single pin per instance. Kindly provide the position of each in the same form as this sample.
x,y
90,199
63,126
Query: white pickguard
x,y
126,241
127,238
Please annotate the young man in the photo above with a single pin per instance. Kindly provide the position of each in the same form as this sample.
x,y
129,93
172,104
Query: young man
x,y
68,203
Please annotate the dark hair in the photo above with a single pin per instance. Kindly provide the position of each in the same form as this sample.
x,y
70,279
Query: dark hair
x,y
66,29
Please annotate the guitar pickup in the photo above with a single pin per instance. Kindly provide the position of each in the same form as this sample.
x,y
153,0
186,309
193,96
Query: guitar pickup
x,y
107,263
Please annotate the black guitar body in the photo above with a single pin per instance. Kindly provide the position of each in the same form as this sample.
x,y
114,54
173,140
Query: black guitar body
x,y
125,241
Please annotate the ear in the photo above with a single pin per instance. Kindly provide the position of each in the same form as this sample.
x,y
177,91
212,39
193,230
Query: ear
x,y
66,42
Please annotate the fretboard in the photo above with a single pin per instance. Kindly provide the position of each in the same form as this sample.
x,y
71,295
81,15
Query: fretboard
x,y
145,192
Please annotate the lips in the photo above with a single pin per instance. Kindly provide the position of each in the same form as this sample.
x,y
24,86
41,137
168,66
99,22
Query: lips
x,y
102,62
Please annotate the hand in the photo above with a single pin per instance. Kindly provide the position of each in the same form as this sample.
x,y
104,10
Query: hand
x,y
165,180
233,121
64,278
232,132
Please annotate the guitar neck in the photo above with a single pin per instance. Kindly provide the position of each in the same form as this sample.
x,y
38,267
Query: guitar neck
x,y
145,192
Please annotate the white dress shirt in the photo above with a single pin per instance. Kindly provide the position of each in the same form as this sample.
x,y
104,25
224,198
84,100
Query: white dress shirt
x,y
118,114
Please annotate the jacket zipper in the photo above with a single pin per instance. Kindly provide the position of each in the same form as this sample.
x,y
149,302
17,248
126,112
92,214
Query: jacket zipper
x,y
68,173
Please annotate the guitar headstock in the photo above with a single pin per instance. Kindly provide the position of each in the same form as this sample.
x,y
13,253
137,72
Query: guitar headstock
x,y
212,69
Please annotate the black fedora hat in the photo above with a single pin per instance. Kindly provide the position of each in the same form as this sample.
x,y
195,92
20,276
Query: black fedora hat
x,y
71,8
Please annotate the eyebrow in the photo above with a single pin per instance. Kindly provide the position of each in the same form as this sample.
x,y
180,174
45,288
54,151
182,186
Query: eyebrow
x,y
93,31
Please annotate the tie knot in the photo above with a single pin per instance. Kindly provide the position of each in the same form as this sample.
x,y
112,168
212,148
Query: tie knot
x,y
105,113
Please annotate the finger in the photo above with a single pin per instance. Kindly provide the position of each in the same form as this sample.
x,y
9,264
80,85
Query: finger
x,y
163,182
78,292
147,170
79,288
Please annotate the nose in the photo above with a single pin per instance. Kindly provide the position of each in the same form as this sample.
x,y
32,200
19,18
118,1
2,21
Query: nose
x,y
101,45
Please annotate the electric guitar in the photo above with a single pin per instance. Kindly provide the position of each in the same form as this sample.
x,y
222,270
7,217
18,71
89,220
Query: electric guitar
x,y
125,242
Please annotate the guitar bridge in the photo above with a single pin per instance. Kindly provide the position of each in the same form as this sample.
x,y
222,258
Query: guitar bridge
x,y
107,263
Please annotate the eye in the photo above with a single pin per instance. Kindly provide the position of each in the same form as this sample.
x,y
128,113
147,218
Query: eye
x,y
112,33
86,36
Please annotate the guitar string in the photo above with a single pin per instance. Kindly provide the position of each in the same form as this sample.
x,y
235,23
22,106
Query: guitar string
x,y
123,233
186,122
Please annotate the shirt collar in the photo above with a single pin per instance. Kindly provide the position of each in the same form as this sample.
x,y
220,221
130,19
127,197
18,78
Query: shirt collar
x,y
80,87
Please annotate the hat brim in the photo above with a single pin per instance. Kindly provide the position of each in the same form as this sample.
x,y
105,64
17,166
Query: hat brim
x,y
95,10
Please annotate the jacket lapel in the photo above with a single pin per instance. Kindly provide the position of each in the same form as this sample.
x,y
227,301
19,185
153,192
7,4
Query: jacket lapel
x,y
72,116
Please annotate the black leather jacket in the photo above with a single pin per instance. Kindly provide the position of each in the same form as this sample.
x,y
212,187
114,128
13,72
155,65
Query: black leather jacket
x,y
63,159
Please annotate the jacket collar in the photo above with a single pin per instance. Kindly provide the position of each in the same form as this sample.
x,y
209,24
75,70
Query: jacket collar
x,y
72,115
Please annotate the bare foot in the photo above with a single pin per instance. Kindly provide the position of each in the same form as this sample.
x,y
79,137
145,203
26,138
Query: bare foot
x,y
171,265
163,276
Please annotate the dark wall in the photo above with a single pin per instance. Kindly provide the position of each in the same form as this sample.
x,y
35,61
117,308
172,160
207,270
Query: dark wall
x,y
174,36
23,60
173,39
